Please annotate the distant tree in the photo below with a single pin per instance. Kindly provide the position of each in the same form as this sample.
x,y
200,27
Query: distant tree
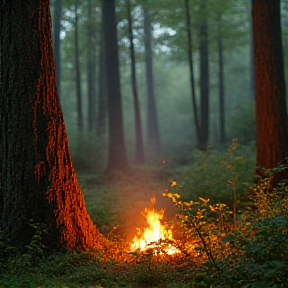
x,y
204,76
56,41
77,71
192,81
102,87
117,159
271,113
284,18
153,128
139,149
91,66
37,178
221,83
252,67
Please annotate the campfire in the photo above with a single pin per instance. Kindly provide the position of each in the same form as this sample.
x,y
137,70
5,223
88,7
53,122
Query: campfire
x,y
156,235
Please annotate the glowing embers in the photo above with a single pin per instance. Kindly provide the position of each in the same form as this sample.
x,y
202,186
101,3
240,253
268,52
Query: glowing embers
x,y
156,236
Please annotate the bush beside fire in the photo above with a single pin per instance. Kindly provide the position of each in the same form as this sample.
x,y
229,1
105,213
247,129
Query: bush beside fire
x,y
207,244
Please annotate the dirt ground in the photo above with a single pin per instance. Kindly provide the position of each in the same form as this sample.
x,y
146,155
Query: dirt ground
x,y
125,197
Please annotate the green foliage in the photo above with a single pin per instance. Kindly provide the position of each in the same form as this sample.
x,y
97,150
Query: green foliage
x,y
213,175
215,251
251,254
263,242
241,123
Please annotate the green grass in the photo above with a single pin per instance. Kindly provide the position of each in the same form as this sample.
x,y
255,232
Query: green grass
x,y
252,255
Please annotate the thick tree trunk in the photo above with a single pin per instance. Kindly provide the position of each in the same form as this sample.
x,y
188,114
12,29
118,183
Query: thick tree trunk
x,y
78,75
56,41
117,159
139,151
204,79
37,176
153,129
271,114
192,82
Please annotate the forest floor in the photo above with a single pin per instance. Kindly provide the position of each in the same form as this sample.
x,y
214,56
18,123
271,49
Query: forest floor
x,y
123,200
251,254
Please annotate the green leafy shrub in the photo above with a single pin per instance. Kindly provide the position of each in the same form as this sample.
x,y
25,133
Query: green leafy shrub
x,y
249,253
241,124
213,174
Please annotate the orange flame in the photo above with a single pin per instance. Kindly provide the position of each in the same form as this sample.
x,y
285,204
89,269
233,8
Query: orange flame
x,y
156,232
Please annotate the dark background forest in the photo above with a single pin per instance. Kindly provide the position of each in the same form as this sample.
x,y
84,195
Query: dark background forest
x,y
82,91
181,99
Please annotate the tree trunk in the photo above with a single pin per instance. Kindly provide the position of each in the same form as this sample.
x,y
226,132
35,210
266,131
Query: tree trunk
x,y
78,75
192,83
271,115
117,159
102,88
37,178
204,79
252,68
153,129
139,151
56,41
91,69
221,85
285,40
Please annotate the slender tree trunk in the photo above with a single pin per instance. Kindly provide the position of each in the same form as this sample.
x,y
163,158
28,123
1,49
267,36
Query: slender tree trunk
x,y
271,114
102,89
37,178
252,68
78,75
192,83
139,151
153,129
285,42
91,70
204,79
117,159
56,41
221,85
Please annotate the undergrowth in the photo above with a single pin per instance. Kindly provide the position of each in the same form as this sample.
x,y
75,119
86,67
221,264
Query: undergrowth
x,y
231,233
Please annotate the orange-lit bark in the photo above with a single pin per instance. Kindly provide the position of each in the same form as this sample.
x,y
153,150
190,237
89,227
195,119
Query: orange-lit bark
x,y
38,180
271,115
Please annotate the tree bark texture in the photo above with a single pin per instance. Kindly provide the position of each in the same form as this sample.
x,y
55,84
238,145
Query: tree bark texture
x,y
117,159
271,114
37,178
153,128
139,149
56,41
